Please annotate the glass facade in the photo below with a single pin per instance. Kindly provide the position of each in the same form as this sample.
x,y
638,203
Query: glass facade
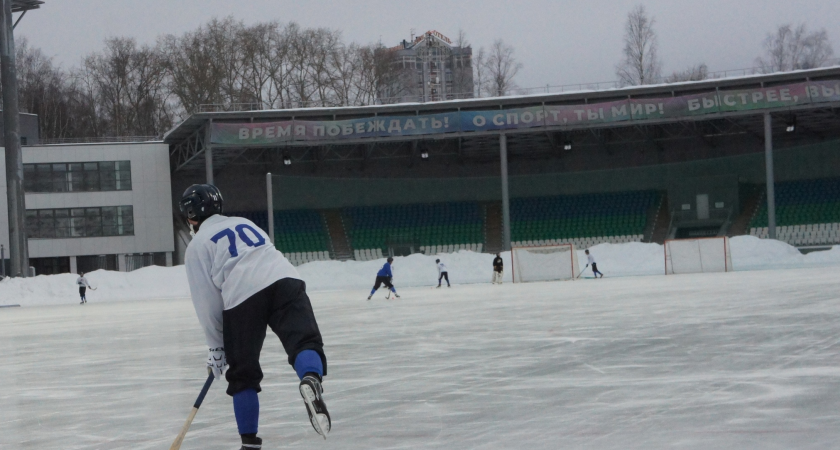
x,y
77,177
50,266
80,222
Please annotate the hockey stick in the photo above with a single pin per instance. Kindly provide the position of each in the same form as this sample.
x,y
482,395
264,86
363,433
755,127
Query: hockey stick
x,y
581,272
180,439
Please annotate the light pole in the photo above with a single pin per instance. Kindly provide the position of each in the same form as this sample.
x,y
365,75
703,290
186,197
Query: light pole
x,y
18,248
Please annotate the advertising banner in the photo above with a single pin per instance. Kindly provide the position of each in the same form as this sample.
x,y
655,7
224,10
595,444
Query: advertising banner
x,y
712,102
507,119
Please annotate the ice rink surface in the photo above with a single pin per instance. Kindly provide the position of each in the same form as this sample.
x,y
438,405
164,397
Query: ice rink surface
x,y
745,360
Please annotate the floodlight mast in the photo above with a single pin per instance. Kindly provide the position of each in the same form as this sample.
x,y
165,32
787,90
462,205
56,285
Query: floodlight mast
x,y
18,248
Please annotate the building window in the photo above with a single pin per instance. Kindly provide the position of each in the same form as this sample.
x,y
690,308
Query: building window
x,y
77,177
80,222
90,263
50,266
141,260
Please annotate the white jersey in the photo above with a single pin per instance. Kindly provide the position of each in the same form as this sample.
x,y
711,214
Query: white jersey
x,y
82,281
229,260
590,259
441,268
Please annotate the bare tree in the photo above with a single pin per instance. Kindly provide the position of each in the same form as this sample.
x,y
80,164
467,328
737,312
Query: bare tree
x,y
693,73
263,54
480,72
641,64
44,89
462,67
500,69
129,89
381,80
127,83
195,77
794,48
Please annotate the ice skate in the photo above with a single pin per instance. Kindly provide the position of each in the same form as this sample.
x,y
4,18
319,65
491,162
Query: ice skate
x,y
319,417
251,443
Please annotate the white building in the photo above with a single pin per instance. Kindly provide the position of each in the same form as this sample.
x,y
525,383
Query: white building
x,y
92,206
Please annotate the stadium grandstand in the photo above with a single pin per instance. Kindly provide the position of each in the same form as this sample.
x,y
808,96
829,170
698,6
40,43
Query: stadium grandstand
x,y
753,155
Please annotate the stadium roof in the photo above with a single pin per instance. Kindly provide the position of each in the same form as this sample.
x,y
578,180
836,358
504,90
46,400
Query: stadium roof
x,y
25,5
823,119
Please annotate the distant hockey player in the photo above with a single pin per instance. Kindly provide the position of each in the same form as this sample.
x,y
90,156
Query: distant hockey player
x,y
498,269
442,273
83,284
384,276
591,262
241,284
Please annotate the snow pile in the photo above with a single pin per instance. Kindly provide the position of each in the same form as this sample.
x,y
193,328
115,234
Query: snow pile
x,y
465,267
147,283
752,253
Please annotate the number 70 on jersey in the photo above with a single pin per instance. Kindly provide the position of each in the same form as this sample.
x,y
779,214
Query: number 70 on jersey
x,y
240,231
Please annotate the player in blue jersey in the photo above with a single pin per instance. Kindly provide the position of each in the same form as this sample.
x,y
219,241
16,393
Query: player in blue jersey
x,y
384,276
240,286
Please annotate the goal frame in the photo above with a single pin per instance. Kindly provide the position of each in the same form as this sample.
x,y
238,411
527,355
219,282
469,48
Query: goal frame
x,y
726,251
562,244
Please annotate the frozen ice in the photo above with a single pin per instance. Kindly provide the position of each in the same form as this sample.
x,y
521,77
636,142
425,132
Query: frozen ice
x,y
745,360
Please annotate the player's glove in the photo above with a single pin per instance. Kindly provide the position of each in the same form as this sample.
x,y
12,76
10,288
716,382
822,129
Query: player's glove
x,y
216,362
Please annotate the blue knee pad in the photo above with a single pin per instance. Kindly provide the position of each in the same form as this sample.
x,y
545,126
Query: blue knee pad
x,y
246,408
308,361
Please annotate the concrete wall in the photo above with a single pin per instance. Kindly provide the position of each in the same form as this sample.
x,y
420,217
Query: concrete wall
x,y
150,196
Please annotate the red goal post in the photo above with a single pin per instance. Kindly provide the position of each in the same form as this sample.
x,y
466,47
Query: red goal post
x,y
544,263
698,255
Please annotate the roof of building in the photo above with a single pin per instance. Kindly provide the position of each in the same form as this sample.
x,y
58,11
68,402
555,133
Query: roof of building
x,y
197,120
25,5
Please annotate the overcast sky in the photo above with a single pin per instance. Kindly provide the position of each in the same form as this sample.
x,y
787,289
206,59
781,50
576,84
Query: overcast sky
x,y
559,42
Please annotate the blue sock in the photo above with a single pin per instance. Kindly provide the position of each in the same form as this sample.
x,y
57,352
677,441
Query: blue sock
x,y
308,361
372,291
246,408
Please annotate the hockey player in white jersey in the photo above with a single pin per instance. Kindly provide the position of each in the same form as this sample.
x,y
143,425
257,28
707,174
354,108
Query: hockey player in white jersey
x,y
442,273
240,285
83,284
590,261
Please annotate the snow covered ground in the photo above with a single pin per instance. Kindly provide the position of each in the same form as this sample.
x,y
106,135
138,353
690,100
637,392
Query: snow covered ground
x,y
745,360
615,260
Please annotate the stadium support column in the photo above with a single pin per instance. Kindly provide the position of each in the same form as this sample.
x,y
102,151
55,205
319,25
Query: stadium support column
x,y
771,190
269,193
208,153
505,194
18,248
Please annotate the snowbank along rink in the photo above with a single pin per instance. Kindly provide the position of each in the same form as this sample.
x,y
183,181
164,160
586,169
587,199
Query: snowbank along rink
x,y
730,360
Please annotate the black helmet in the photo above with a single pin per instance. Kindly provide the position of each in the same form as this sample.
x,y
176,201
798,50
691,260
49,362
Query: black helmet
x,y
437,260
390,259
201,201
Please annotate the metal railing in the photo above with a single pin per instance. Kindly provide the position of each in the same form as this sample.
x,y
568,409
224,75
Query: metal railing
x,y
97,140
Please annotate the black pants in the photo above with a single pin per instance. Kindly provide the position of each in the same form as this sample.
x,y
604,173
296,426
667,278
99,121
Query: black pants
x,y
283,306
383,280
442,276
82,290
595,269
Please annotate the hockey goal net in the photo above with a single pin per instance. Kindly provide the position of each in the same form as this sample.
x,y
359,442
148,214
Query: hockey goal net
x,y
700,255
544,263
